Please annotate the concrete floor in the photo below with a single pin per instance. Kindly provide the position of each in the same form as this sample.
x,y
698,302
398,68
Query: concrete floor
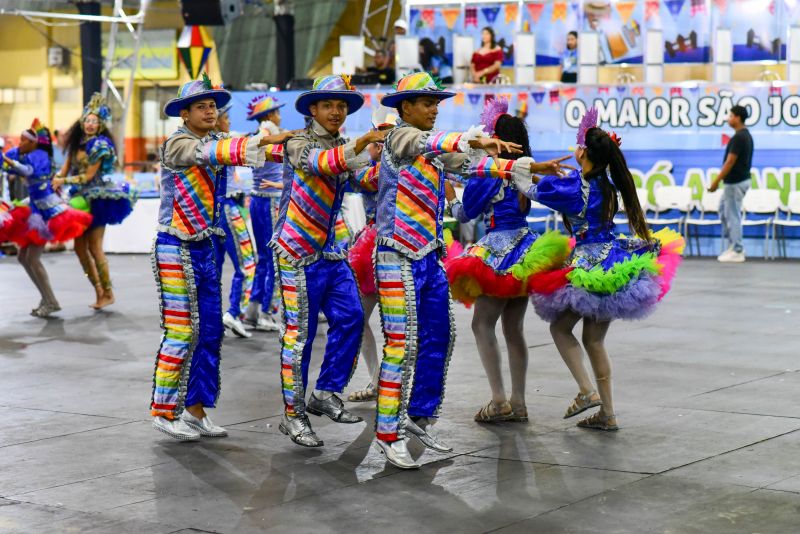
x,y
707,394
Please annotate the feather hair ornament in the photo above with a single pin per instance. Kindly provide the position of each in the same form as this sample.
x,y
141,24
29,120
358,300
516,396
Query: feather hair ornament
x,y
492,110
588,121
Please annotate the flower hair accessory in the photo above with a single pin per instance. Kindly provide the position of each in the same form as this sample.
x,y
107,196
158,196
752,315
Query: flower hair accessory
x,y
492,110
588,121
617,139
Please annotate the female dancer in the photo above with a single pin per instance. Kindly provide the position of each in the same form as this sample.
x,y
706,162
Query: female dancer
x,y
483,273
47,219
607,277
90,160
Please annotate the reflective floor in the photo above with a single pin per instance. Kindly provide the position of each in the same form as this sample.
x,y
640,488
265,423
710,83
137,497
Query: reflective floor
x,y
707,397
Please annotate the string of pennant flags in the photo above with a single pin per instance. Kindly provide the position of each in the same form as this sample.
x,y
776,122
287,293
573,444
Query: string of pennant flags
x,y
469,16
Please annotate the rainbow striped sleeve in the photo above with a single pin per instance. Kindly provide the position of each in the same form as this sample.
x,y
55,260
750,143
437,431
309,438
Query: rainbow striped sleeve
x,y
274,153
442,142
488,167
235,151
367,178
331,162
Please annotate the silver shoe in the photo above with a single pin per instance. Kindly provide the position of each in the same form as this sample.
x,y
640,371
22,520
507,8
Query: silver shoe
x,y
333,407
266,322
397,453
235,325
176,428
299,430
204,426
44,310
426,439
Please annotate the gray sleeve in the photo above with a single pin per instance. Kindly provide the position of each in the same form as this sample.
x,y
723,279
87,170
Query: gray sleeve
x,y
180,152
406,143
21,169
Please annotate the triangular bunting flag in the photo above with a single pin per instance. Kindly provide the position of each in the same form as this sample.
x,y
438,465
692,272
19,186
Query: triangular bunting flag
x,y
722,5
674,6
658,91
554,94
474,98
538,97
625,10
511,12
428,17
675,91
458,100
471,17
535,11
651,8
698,7
490,14
450,16
559,11
725,140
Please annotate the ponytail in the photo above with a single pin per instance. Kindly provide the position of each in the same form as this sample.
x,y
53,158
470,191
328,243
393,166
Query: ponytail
x,y
604,153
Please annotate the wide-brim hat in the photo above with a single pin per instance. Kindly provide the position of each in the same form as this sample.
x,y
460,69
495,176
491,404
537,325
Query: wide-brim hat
x,y
261,106
415,85
193,91
330,88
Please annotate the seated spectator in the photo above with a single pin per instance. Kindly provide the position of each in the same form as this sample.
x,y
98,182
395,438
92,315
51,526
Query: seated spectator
x,y
433,61
381,68
487,60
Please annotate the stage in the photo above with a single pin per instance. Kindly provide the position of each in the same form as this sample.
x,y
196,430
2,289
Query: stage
x,y
706,393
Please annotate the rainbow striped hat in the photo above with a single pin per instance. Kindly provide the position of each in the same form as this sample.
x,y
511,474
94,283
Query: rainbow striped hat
x,y
330,88
42,136
193,91
415,85
260,106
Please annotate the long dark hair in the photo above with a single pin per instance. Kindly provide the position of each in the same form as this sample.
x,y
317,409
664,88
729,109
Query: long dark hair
x,y
604,153
75,137
513,130
491,32
429,51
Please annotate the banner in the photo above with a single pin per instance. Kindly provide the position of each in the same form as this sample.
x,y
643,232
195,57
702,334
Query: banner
x,y
157,58
621,39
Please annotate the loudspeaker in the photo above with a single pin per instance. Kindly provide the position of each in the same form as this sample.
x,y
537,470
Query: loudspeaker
x,y
210,12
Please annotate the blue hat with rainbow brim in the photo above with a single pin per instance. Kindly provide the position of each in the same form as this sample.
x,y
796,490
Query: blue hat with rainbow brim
x,y
415,85
193,91
260,106
330,88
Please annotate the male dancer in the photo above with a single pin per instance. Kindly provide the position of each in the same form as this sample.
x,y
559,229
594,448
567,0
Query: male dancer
x,y
193,161
264,201
314,273
413,292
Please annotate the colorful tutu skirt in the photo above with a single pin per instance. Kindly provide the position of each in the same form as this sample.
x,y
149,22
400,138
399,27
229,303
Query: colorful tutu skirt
x,y
503,262
7,221
108,204
30,228
620,279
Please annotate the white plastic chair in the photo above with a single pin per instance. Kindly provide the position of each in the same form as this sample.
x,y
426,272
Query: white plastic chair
x,y
642,195
708,205
792,208
761,202
548,217
671,197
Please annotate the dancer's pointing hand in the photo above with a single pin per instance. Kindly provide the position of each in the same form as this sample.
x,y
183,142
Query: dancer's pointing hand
x,y
553,167
495,146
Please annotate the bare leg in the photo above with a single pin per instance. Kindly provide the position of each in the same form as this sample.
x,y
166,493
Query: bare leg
x,y
38,274
96,250
22,257
513,320
484,320
594,334
88,265
570,350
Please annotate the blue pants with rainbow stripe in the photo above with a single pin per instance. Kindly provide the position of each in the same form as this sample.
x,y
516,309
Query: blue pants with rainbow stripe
x,y
329,286
419,332
239,248
187,365
263,214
